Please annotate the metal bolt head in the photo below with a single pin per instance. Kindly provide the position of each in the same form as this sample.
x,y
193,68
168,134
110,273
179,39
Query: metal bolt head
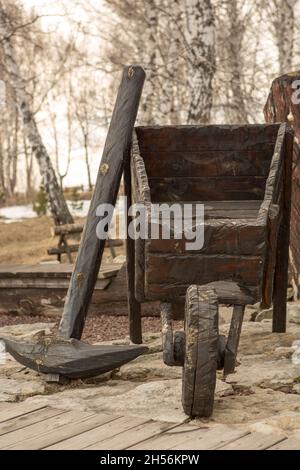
x,y
130,72
104,168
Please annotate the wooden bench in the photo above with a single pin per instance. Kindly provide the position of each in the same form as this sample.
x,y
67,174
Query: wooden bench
x,y
63,232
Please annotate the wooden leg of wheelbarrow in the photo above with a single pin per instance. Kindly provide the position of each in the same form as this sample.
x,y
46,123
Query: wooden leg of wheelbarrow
x,y
282,256
233,338
134,307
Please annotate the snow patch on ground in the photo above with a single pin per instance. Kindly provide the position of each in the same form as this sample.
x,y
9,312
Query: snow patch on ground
x,y
12,214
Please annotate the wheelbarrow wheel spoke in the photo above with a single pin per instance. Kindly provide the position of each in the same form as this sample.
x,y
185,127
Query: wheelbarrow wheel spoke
x,y
201,353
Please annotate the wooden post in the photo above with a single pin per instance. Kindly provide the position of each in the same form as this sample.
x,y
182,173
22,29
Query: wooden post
x,y
282,254
134,307
282,106
115,153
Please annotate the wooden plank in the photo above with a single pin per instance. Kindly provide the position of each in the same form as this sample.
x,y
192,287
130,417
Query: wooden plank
x,y
76,423
98,434
21,422
282,254
205,189
51,270
166,163
214,137
201,269
254,441
213,438
169,438
115,153
220,237
291,443
132,436
59,250
13,411
188,436
134,307
233,338
46,283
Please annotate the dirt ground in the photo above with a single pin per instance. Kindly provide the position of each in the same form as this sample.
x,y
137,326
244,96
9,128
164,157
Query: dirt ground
x,y
27,242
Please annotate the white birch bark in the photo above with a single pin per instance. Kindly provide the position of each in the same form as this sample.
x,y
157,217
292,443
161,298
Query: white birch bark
x,y
59,208
200,46
284,30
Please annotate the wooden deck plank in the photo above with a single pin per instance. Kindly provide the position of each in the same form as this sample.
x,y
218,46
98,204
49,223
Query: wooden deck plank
x,y
132,436
212,439
74,423
99,433
52,270
16,439
253,441
169,438
192,437
291,443
13,411
27,419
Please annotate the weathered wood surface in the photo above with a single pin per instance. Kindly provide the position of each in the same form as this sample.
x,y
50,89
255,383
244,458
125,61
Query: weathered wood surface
x,y
120,425
201,269
201,351
25,427
241,227
71,358
134,306
254,441
64,249
116,152
207,189
281,108
66,229
51,271
214,137
207,163
233,339
282,254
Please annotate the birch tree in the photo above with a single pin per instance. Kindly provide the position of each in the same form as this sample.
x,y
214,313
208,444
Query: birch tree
x,y
199,36
59,208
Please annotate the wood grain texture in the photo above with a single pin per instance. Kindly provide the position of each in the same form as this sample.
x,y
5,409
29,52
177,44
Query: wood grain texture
x,y
280,107
201,137
100,433
207,189
115,153
253,441
207,163
201,353
71,358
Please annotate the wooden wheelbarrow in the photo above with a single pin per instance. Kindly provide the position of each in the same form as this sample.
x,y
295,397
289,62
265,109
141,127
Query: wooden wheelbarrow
x,y
241,175
65,356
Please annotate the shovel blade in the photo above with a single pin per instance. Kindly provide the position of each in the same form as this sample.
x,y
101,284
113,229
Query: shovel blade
x,y
72,358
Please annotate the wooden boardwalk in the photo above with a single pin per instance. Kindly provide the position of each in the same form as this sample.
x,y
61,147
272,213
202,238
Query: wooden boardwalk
x,y
28,426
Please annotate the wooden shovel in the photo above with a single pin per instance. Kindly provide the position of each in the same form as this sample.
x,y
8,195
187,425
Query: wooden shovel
x,y
65,355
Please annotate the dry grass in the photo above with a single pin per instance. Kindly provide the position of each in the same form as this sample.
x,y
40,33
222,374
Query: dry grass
x,y
27,242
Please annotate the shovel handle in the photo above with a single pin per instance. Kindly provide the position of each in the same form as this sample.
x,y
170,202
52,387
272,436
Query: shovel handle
x,y
115,153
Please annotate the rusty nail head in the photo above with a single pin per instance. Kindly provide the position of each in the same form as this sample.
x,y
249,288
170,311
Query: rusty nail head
x,y
80,277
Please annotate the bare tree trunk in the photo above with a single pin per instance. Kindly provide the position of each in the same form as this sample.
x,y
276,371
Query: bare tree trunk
x,y
151,64
14,155
87,162
235,61
284,29
200,46
28,166
59,208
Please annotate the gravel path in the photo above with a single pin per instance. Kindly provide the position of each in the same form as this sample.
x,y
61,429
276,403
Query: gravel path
x,y
97,328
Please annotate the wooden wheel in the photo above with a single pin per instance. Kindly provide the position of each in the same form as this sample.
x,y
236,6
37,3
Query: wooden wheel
x,y
201,351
